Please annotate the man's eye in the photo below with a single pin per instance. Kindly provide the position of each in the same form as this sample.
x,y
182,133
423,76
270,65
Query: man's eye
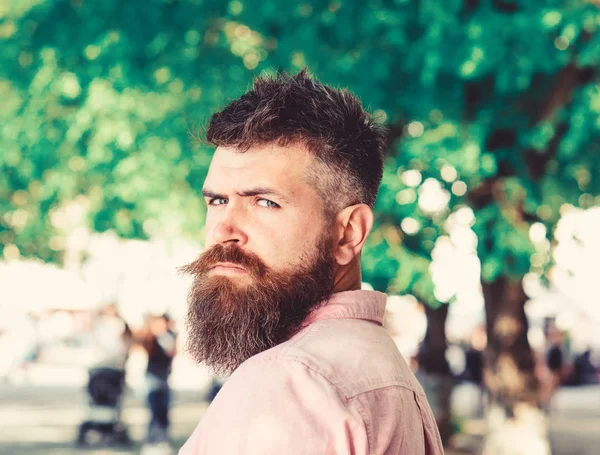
x,y
218,201
267,203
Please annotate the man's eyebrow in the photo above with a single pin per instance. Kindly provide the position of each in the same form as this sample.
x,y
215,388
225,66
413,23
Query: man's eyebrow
x,y
212,195
262,191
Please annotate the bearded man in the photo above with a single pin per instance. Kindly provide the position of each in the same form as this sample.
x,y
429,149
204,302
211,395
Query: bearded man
x,y
276,300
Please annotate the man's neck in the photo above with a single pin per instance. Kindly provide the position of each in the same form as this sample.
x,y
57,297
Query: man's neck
x,y
348,278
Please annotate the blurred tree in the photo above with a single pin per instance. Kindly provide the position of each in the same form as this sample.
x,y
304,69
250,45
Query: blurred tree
x,y
98,102
434,370
493,110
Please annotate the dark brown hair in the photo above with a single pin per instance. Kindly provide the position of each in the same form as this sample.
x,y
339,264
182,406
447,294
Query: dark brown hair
x,y
347,142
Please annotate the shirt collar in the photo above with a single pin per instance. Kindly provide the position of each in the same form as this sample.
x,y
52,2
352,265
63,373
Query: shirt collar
x,y
367,305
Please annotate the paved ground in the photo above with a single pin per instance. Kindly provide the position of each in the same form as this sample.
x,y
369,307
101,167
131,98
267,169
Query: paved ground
x,y
574,422
44,420
36,420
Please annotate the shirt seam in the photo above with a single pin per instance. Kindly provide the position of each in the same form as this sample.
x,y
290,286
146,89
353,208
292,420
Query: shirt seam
x,y
358,407
348,395
385,385
427,423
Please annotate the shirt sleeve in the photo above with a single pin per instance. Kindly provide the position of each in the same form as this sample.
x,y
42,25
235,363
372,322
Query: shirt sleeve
x,y
276,407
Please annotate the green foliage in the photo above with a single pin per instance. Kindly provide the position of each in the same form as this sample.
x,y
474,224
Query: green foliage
x,y
495,103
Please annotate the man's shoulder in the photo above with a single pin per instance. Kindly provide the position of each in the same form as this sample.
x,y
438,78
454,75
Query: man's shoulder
x,y
275,404
271,378
354,355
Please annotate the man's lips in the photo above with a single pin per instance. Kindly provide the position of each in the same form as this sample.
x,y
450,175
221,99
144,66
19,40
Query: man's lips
x,y
228,268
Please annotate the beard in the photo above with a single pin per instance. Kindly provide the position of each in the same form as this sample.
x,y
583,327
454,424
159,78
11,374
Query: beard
x,y
228,320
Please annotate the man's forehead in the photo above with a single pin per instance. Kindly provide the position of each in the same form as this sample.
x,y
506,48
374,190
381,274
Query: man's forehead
x,y
268,164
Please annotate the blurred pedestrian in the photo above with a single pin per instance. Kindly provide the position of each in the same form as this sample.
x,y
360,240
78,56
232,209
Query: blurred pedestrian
x,y
555,368
474,366
112,339
584,371
215,386
555,358
161,345
276,300
473,371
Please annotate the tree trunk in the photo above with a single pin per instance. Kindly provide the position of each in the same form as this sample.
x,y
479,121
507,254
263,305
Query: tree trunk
x,y
516,423
434,371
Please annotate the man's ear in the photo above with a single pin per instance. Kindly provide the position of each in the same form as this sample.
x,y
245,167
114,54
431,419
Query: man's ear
x,y
353,225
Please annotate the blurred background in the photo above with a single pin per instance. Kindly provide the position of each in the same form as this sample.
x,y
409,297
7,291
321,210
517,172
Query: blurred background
x,y
488,219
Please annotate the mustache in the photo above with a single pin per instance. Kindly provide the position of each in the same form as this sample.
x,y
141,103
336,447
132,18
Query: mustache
x,y
219,253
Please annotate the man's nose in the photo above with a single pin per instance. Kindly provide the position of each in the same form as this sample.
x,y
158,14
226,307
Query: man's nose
x,y
229,228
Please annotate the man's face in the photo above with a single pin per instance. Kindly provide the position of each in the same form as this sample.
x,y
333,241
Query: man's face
x,y
268,259
261,201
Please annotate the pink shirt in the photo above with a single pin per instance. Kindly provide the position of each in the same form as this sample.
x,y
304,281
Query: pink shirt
x,y
338,387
